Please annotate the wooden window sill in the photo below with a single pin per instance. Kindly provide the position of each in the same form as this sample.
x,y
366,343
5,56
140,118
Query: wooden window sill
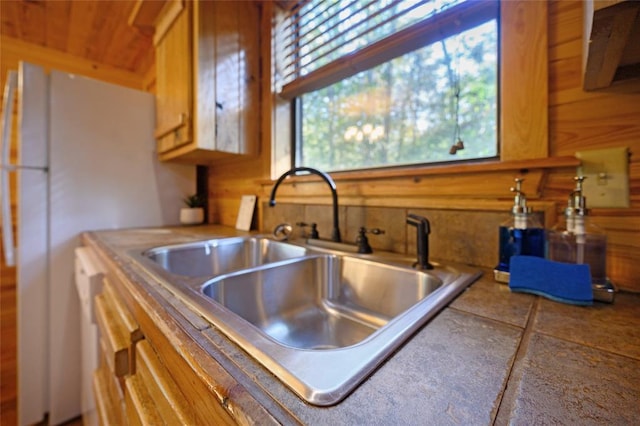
x,y
517,166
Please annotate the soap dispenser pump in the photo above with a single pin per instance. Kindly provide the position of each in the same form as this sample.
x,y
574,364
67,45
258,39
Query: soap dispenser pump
x,y
580,241
522,234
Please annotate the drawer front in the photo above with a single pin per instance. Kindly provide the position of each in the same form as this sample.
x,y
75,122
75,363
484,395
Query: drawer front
x,y
121,309
169,400
108,395
114,337
131,327
140,407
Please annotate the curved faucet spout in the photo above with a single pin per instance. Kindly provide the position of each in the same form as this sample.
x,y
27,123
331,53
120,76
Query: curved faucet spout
x,y
335,233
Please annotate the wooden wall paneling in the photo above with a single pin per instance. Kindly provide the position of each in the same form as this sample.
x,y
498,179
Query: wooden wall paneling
x,y
105,32
563,50
623,244
144,13
83,15
565,81
559,185
609,121
565,23
523,80
27,20
481,185
622,231
57,28
12,51
96,31
137,52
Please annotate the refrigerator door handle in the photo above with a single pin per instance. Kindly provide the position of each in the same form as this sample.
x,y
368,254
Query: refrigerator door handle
x,y
5,167
7,220
7,113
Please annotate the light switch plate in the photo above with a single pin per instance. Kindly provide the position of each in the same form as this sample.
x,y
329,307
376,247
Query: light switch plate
x,y
607,177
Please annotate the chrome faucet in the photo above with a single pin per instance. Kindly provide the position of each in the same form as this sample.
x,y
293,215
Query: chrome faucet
x,y
335,233
423,229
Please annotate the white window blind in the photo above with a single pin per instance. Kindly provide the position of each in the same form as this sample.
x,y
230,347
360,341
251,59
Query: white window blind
x,y
320,42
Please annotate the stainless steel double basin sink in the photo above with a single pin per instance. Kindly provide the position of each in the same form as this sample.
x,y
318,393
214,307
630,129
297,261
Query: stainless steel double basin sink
x,y
320,320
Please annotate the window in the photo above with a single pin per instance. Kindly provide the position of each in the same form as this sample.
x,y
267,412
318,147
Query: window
x,y
391,83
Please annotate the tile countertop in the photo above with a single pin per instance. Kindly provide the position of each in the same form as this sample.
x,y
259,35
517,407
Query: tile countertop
x,y
490,357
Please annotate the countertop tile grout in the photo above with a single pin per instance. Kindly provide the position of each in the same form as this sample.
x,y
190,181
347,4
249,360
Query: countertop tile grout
x,y
508,398
586,345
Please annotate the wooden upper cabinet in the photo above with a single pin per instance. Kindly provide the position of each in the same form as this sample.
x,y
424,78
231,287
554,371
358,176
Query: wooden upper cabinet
x,y
611,49
207,80
174,88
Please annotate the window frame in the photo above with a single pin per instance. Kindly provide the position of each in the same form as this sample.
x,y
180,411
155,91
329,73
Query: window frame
x,y
447,23
523,133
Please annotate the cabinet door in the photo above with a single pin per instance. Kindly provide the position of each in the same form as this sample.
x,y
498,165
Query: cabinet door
x,y
174,76
228,73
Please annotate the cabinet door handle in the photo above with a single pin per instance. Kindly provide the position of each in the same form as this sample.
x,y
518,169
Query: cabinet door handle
x,y
183,120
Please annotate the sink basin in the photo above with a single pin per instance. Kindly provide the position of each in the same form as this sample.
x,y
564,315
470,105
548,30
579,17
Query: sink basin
x,y
320,320
321,302
220,256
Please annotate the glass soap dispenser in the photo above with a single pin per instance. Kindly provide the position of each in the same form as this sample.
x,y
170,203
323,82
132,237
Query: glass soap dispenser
x,y
522,234
578,240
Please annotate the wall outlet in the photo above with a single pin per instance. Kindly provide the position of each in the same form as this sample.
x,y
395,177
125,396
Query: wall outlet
x,y
607,177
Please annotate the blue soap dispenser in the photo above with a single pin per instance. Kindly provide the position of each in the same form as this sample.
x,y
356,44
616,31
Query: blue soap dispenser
x,y
522,234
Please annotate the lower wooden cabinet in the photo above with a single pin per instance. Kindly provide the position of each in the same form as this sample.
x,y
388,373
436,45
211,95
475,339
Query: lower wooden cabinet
x,y
152,393
109,396
142,379
119,334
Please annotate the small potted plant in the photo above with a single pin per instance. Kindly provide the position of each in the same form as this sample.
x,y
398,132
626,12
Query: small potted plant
x,y
193,214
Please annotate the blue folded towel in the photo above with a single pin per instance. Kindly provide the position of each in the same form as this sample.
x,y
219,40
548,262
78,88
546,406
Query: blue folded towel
x,y
562,282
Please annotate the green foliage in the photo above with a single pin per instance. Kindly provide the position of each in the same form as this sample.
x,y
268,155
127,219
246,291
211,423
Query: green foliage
x,y
413,99
195,200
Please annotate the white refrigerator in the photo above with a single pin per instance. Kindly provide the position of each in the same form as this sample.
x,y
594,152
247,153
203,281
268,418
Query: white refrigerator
x,y
86,161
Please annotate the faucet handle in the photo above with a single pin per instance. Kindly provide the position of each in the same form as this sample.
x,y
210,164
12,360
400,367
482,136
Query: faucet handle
x,y
314,228
282,232
363,242
374,231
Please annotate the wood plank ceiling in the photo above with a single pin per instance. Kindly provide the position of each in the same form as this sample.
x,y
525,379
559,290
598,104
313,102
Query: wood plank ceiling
x,y
96,30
